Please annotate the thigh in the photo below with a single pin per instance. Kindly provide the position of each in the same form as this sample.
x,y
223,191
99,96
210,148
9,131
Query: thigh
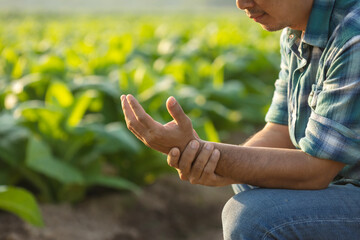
x,y
332,213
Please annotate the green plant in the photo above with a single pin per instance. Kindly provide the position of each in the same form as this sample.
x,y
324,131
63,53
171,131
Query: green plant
x,y
21,203
62,130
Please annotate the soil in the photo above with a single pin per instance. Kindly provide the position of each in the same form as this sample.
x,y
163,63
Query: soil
x,y
168,209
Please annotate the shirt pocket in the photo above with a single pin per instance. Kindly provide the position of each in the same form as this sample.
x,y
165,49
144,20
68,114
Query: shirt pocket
x,y
313,97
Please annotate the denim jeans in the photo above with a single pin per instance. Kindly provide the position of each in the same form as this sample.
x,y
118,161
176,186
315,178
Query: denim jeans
x,y
259,213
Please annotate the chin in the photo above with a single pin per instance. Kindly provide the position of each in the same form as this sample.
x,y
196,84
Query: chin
x,y
272,28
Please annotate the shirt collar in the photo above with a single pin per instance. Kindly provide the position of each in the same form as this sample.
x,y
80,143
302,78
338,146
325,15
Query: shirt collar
x,y
318,27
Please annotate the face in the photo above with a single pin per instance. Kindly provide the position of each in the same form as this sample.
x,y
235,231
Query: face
x,y
274,15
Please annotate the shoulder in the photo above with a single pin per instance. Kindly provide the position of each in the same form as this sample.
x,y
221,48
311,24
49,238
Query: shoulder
x,y
344,41
347,30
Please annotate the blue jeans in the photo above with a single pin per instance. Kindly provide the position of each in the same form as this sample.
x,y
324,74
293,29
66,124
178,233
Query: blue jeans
x,y
259,213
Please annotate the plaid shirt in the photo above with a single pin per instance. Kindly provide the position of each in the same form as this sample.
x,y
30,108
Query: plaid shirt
x,y
318,91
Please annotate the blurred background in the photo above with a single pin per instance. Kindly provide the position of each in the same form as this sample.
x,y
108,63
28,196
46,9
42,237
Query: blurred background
x,y
69,168
106,6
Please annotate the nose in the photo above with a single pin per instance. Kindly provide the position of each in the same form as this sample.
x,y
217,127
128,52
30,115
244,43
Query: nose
x,y
245,4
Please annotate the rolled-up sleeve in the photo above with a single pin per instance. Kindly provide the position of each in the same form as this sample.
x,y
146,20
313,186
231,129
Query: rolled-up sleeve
x,y
278,111
333,130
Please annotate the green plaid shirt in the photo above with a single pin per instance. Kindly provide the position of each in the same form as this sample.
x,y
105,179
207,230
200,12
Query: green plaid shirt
x,y
318,91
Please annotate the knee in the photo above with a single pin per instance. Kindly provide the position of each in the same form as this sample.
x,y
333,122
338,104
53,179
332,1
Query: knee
x,y
241,218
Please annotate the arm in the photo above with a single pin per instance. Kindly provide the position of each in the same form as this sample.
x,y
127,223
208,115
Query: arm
x,y
270,167
261,166
201,169
275,167
260,162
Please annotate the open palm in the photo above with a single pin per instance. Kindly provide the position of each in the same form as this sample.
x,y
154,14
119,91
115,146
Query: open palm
x,y
177,133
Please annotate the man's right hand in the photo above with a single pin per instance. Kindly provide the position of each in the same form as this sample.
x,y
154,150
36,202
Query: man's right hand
x,y
198,169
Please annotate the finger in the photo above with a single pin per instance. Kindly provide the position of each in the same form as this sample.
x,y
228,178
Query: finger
x,y
128,112
209,170
173,157
177,113
132,123
140,113
200,163
187,158
138,136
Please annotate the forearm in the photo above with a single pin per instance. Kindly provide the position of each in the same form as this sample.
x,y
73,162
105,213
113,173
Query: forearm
x,y
273,136
274,167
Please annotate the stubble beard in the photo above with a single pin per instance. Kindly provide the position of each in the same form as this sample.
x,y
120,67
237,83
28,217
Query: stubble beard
x,y
273,28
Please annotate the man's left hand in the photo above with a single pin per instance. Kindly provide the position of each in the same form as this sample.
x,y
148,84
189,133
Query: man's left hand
x,y
198,169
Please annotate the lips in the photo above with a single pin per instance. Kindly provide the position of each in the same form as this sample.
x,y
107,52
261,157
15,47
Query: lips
x,y
252,15
256,16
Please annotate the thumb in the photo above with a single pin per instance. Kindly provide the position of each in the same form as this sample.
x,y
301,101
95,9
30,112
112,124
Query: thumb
x,y
173,158
177,113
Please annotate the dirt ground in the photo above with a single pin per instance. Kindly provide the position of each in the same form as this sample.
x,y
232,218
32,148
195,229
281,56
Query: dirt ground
x,y
168,209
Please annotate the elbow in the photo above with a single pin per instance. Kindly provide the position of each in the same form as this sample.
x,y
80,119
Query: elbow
x,y
319,185
320,176
311,184
317,182
313,180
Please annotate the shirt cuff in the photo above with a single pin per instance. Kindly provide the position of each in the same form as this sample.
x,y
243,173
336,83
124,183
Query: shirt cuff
x,y
327,139
277,115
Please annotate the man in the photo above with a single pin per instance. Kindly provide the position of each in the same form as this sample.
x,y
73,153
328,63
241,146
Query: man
x,y
305,163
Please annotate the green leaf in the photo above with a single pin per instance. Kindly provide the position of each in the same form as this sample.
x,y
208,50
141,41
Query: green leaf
x,y
59,94
211,132
22,203
97,83
81,105
112,137
13,140
48,119
19,67
40,159
218,68
118,133
50,64
162,86
112,182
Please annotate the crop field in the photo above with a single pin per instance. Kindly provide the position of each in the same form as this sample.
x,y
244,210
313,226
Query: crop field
x,y
62,130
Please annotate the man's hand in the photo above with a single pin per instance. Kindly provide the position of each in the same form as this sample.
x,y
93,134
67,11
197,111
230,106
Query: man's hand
x,y
198,169
177,133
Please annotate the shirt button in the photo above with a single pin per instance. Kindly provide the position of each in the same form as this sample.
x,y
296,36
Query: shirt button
x,y
291,36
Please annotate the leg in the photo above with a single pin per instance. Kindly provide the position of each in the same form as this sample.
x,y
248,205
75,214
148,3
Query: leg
x,y
332,213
